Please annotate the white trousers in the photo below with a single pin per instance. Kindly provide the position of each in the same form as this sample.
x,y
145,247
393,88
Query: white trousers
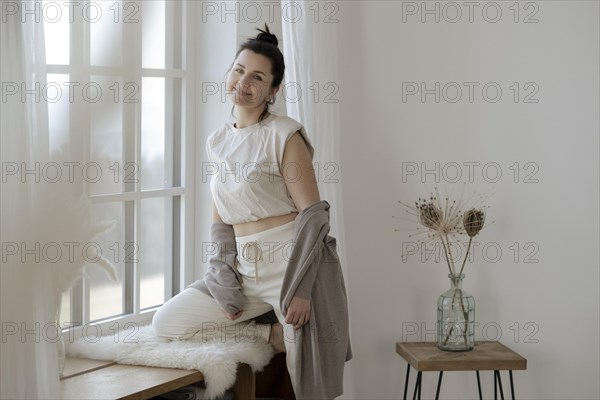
x,y
262,260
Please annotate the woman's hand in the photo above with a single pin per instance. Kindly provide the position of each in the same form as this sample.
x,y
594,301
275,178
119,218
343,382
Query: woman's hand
x,y
298,312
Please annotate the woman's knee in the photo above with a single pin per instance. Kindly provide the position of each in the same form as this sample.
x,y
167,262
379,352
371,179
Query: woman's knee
x,y
184,315
160,323
167,321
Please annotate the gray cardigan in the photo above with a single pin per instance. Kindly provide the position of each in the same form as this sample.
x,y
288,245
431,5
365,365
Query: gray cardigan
x,y
314,272
222,280
322,346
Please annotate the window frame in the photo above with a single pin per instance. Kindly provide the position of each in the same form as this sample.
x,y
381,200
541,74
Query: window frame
x,y
181,108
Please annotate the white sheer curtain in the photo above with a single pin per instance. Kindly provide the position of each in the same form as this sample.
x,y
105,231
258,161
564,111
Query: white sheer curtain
x,y
42,212
310,51
28,362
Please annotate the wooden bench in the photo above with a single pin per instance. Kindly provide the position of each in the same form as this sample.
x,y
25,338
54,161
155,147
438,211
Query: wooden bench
x,y
92,379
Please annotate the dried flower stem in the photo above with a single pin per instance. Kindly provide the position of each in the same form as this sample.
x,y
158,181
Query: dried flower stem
x,y
449,259
466,255
465,315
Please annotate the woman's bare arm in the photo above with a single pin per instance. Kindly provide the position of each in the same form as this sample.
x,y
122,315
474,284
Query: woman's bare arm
x,y
298,172
299,176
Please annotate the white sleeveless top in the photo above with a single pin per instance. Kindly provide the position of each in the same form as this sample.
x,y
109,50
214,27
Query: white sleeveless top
x,y
247,179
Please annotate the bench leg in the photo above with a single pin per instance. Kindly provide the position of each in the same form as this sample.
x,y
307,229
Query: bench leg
x,y
245,384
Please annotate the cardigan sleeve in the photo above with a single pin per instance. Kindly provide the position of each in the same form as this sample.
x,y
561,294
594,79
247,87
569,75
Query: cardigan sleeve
x,y
311,253
323,256
222,280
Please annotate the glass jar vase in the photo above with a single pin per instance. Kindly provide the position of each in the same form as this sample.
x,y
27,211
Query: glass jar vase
x,y
455,317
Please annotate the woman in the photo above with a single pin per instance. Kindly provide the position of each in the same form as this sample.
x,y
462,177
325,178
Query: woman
x,y
265,180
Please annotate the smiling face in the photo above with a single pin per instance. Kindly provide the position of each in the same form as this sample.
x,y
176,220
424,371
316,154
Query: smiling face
x,y
249,80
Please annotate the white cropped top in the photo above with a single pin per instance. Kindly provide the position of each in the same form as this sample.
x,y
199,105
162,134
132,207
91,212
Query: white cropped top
x,y
247,179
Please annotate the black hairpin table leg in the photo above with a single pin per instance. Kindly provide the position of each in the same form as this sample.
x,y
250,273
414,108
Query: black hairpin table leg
x,y
512,387
497,377
406,380
418,386
495,387
437,392
497,382
479,385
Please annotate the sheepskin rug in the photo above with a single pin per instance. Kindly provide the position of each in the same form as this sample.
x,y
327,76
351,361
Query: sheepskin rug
x,y
217,360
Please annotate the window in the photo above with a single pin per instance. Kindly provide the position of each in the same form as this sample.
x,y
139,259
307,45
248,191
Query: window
x,y
117,67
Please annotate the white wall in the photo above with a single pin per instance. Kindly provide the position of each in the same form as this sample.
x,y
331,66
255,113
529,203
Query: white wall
x,y
215,36
557,296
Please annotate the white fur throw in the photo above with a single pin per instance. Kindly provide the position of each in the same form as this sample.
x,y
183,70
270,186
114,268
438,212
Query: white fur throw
x,y
217,360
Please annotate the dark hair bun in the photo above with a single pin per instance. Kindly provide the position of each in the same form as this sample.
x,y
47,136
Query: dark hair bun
x,y
267,36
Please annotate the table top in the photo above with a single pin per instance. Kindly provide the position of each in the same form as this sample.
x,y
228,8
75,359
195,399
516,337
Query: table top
x,y
486,355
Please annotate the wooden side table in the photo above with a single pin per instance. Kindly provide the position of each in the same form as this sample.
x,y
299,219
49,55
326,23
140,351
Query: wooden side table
x,y
485,356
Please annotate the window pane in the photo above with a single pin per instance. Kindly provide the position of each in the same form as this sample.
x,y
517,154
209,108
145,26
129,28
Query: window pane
x,y
106,296
153,39
56,31
156,252
106,30
65,310
56,95
156,169
106,142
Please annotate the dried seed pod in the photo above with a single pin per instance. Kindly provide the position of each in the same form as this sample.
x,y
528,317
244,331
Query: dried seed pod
x,y
430,215
473,221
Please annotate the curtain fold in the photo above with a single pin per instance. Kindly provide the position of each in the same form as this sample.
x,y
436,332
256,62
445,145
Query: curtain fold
x,y
312,98
28,349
